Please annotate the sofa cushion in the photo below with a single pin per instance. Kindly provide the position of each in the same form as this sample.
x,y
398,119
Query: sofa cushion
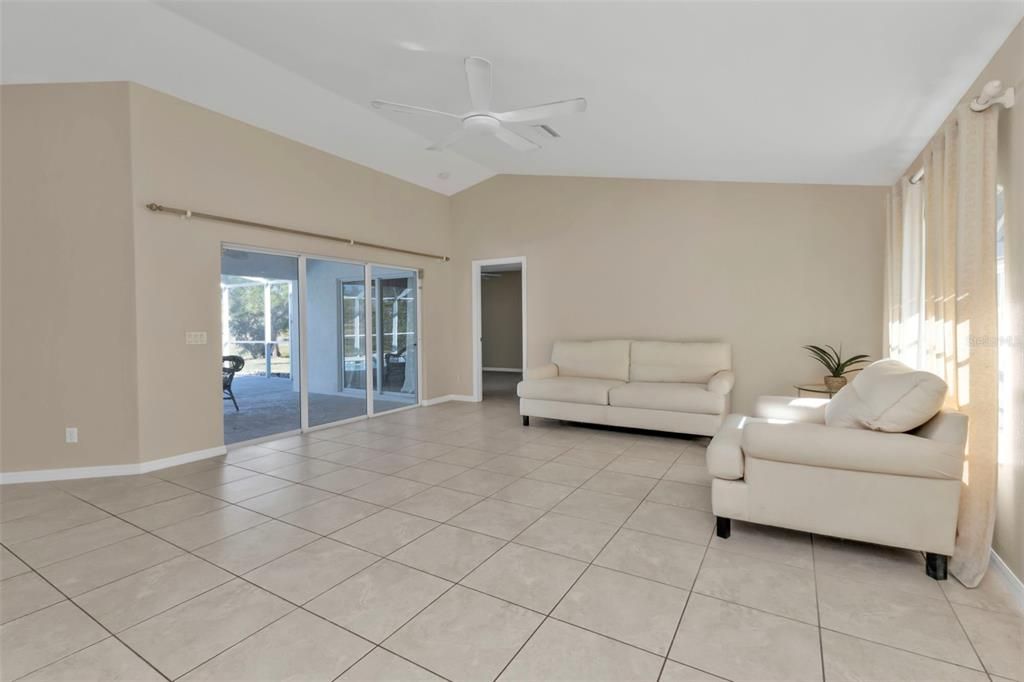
x,y
568,389
667,397
592,359
677,362
818,445
887,396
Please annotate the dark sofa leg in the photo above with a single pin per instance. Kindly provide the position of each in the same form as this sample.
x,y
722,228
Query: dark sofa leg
x,y
526,420
724,527
935,565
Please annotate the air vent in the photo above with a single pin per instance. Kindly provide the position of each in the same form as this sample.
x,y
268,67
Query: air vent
x,y
548,129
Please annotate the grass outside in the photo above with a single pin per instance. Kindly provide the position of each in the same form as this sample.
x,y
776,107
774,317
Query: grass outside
x,y
259,366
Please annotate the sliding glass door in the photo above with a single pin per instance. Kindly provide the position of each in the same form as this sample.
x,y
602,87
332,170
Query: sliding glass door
x,y
259,344
336,323
360,341
395,338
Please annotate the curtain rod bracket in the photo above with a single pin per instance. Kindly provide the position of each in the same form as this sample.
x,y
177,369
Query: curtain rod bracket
x,y
990,96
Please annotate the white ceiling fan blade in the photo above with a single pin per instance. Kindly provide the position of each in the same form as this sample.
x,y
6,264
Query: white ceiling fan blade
x,y
409,109
543,111
478,76
515,140
448,141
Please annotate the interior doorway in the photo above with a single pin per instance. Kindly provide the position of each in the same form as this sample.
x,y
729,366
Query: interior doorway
x,y
499,327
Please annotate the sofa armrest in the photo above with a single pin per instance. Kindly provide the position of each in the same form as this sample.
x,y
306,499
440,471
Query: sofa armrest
x,y
543,372
724,455
787,408
722,382
832,447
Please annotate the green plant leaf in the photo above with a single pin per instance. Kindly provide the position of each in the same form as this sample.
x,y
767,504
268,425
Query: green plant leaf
x,y
848,364
824,357
832,359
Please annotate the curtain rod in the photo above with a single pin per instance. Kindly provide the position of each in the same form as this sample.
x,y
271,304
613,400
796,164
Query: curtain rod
x,y
991,94
188,214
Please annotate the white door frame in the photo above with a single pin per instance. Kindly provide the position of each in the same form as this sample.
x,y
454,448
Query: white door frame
x,y
302,257
478,370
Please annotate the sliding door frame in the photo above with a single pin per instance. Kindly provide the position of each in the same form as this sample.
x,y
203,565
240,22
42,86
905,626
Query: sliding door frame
x,y
303,339
236,246
418,273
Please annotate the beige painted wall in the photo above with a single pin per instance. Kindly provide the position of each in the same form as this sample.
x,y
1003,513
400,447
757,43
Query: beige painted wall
x,y
501,320
68,304
764,267
101,291
187,156
1007,65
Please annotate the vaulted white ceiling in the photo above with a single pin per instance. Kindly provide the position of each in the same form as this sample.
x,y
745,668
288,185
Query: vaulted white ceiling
x,y
825,92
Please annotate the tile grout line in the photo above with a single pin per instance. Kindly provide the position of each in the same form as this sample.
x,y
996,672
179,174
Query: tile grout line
x,y
967,636
686,603
506,542
235,577
88,615
80,554
544,512
271,518
589,564
241,577
817,606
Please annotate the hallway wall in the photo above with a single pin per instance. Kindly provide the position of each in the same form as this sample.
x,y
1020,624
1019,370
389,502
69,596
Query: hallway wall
x,y
501,319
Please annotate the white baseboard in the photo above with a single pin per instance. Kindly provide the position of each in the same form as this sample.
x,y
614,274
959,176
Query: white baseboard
x,y
447,399
40,475
1012,581
514,370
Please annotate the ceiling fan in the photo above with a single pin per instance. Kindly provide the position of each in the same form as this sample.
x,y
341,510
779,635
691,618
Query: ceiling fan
x,y
481,120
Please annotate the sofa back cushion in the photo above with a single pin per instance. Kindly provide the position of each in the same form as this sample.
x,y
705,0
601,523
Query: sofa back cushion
x,y
887,396
592,359
678,362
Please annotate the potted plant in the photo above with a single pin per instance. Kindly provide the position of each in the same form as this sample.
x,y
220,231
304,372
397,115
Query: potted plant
x,y
837,367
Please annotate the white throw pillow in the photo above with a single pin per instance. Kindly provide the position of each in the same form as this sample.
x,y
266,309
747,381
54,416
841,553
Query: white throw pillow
x,y
887,396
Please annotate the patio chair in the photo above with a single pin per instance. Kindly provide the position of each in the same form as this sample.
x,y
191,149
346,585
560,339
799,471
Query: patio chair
x,y
394,370
231,365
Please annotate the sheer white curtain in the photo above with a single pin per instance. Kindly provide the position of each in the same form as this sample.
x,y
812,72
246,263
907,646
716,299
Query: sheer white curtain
x,y
909,346
942,255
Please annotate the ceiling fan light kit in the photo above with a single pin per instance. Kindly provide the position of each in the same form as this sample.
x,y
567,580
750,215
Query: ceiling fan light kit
x,y
481,120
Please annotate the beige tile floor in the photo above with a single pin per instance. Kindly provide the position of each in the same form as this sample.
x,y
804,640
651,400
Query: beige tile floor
x,y
452,543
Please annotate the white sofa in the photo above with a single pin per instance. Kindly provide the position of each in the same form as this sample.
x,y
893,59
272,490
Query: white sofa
x,y
784,467
657,385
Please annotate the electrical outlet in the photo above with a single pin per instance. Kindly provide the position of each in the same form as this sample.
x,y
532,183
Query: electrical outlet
x,y
71,434
195,338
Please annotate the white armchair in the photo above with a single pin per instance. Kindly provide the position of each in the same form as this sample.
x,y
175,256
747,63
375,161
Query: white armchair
x,y
784,467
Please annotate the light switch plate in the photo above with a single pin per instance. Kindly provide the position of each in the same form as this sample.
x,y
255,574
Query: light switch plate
x,y
195,338
71,434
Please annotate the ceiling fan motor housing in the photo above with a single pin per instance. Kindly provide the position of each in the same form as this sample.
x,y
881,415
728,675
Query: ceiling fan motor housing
x,y
480,124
